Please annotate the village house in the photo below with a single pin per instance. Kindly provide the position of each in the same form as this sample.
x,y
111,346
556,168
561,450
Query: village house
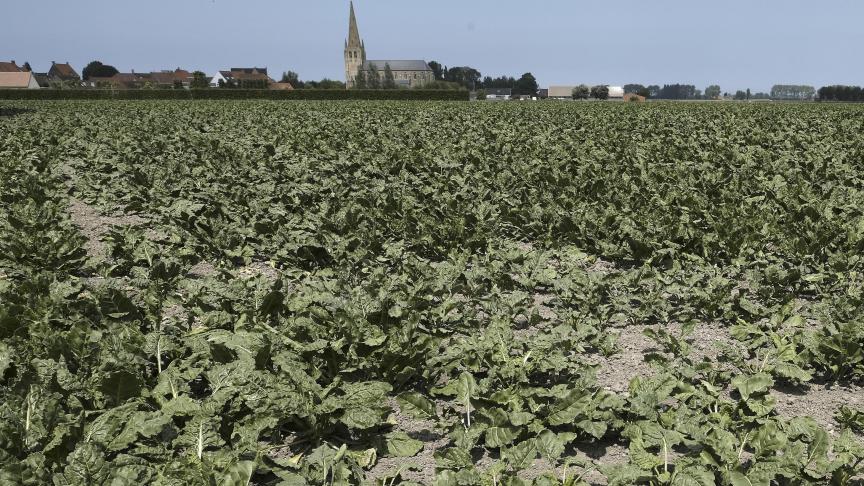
x,y
63,72
60,74
166,79
253,77
18,80
10,67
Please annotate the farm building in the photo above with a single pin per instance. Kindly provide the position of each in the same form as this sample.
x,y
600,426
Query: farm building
x,y
499,93
634,97
616,93
561,92
18,80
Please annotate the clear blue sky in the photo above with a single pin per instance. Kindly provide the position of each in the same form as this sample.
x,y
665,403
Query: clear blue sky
x,y
737,43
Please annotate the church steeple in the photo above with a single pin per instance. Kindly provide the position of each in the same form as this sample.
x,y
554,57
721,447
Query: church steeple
x,y
355,50
353,31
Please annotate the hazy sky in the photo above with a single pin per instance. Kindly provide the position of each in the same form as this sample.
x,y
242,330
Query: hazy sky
x,y
737,43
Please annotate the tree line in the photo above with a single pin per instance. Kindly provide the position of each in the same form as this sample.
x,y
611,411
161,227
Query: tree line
x,y
467,77
841,93
326,83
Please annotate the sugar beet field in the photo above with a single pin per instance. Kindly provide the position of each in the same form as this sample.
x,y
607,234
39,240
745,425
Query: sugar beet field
x,y
335,293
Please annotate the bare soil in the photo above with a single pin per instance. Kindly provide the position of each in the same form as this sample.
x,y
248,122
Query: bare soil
x,y
423,464
94,226
821,402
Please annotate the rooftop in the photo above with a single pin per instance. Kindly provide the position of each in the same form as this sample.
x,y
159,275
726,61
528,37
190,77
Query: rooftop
x,y
15,80
9,67
398,65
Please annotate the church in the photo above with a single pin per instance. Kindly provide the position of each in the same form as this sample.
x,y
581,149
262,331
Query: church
x,y
406,74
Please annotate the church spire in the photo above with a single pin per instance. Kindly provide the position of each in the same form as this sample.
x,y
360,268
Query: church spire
x,y
353,31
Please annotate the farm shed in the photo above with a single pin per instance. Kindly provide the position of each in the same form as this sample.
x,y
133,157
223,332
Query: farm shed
x,y
561,92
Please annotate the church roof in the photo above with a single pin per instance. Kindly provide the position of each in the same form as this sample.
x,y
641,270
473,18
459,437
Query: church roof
x,y
398,65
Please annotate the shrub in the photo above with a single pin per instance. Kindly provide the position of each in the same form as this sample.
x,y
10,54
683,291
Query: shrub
x,y
232,94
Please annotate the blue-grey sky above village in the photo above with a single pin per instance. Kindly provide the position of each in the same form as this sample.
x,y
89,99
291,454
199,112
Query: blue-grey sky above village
x,y
737,44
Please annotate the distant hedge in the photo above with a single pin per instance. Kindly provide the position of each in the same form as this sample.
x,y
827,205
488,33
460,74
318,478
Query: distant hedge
x,y
231,94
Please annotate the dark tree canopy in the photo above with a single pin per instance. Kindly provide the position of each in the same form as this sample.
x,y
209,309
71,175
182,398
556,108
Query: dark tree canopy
x,y
499,82
199,81
581,92
360,81
466,76
527,85
98,70
841,93
677,92
437,70
325,83
293,78
600,92
633,88
713,92
373,77
389,80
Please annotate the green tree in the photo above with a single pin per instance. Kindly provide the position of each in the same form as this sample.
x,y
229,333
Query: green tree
x,y
527,85
389,80
437,70
634,88
199,81
324,84
748,93
467,76
740,95
360,80
581,92
713,92
373,77
98,70
600,92
293,78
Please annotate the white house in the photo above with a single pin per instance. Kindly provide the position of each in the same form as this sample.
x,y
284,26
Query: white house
x,y
499,94
616,93
22,80
214,81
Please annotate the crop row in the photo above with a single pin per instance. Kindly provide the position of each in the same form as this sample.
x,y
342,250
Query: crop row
x,y
305,294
